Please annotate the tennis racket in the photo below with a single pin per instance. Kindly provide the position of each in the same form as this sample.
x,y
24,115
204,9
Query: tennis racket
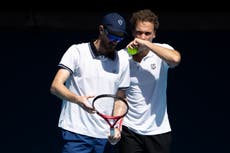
x,y
111,108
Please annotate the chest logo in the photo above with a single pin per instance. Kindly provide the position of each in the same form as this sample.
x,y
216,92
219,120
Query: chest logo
x,y
153,66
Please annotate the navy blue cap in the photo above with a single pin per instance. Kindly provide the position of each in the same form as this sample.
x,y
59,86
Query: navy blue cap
x,y
114,22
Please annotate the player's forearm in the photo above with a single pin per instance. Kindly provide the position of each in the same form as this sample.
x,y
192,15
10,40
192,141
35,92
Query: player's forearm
x,y
121,93
62,92
170,56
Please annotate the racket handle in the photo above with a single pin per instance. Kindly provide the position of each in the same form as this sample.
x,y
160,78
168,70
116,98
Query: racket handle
x,y
112,132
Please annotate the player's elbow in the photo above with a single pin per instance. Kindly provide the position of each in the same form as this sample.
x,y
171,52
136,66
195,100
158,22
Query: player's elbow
x,y
176,59
53,89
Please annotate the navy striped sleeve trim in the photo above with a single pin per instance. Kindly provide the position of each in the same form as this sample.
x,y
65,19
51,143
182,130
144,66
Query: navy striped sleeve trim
x,y
123,88
65,67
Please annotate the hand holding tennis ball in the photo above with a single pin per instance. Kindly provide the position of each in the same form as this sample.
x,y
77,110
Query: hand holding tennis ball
x,y
136,46
132,51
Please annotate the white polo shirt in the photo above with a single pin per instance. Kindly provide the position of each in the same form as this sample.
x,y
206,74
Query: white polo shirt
x,y
147,96
91,75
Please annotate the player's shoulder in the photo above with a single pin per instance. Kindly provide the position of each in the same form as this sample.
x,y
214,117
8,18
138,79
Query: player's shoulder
x,y
123,53
79,46
83,44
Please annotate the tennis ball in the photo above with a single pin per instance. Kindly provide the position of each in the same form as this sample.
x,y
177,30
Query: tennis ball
x,y
132,51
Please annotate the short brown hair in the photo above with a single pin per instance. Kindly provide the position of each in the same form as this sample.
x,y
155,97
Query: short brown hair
x,y
144,15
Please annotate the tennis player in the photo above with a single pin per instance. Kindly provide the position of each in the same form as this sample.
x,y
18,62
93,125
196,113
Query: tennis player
x,y
86,70
146,127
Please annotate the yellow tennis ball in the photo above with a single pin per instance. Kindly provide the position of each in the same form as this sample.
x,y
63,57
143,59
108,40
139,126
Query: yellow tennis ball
x,y
132,51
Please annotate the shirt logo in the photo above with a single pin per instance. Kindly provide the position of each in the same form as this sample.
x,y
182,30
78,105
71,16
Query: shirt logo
x,y
153,66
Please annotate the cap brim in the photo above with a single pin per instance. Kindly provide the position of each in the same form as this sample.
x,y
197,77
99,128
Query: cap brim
x,y
112,30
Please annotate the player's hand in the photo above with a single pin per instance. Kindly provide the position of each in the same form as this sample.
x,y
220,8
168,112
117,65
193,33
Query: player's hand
x,y
138,43
84,103
116,138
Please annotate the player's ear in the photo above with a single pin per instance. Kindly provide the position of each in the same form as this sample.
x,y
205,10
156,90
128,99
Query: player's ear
x,y
101,29
154,34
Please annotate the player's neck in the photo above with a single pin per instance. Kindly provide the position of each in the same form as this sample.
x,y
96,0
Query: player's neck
x,y
97,46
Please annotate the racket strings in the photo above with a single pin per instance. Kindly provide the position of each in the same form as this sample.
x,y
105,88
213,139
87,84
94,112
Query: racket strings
x,y
110,106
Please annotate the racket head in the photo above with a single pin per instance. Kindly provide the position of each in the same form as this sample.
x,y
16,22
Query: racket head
x,y
110,107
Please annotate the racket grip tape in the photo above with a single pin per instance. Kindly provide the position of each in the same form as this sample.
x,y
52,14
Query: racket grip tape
x,y
112,132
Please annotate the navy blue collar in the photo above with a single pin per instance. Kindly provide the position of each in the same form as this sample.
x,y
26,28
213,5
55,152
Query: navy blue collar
x,y
96,54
